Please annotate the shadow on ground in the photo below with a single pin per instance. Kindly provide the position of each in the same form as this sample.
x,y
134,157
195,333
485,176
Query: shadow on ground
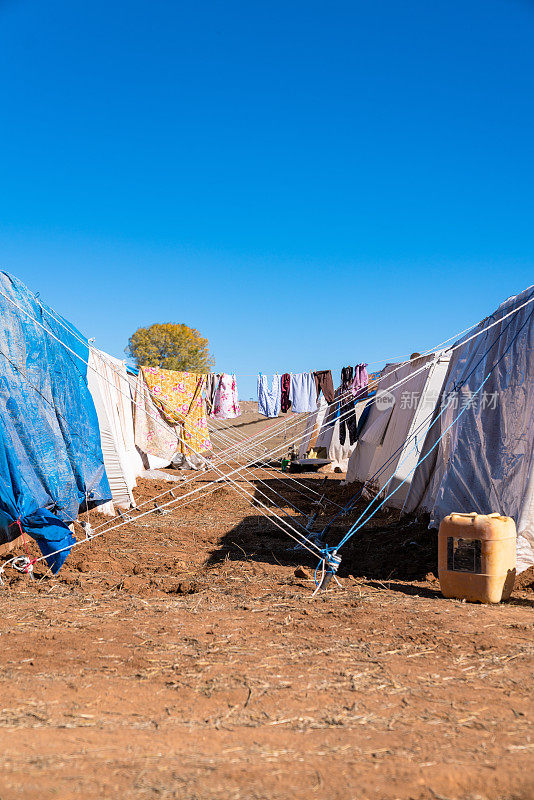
x,y
388,548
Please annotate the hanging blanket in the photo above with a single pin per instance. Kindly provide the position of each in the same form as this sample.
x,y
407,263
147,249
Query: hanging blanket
x,y
153,434
179,395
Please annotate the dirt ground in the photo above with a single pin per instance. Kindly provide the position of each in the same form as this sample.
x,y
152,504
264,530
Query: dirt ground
x,y
180,656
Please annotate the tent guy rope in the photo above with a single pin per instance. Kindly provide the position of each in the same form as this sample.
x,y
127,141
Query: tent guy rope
x,y
227,477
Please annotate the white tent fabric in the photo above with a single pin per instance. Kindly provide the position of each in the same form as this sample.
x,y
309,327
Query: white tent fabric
x,y
322,430
339,454
109,387
397,424
155,462
312,431
485,462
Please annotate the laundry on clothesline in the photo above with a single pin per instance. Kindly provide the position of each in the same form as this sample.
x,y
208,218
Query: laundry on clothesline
x,y
210,387
332,431
285,402
303,392
269,399
361,381
179,397
300,391
154,435
324,383
221,396
354,387
225,399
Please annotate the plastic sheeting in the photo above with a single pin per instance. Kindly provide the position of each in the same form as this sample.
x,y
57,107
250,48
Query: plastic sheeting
x,y
485,462
50,454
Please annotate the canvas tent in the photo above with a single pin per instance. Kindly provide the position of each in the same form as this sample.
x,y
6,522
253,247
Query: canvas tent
x,y
485,462
389,445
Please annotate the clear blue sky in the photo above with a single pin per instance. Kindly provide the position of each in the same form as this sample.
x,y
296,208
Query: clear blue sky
x,y
308,183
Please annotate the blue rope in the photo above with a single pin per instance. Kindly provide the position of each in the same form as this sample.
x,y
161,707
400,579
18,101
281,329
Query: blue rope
x,y
355,527
326,560
352,502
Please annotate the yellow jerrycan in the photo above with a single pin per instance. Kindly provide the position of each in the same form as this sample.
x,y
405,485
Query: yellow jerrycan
x,y
476,557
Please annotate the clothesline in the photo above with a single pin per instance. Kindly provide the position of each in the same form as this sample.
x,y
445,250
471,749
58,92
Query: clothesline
x,y
300,392
227,477
222,477
281,523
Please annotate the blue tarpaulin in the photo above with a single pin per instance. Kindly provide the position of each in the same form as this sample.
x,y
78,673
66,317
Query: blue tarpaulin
x,y
50,454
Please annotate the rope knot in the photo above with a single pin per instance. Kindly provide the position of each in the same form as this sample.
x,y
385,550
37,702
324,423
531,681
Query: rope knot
x,y
24,564
329,565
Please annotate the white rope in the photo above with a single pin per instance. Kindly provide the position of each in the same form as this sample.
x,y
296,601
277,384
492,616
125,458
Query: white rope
x,y
283,446
279,522
75,334
280,447
226,477
308,491
186,444
223,477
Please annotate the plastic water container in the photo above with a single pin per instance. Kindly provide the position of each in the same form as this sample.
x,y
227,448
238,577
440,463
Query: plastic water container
x,y
476,557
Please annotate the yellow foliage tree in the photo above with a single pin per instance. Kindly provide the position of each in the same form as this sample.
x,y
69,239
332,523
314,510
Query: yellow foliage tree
x,y
170,346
